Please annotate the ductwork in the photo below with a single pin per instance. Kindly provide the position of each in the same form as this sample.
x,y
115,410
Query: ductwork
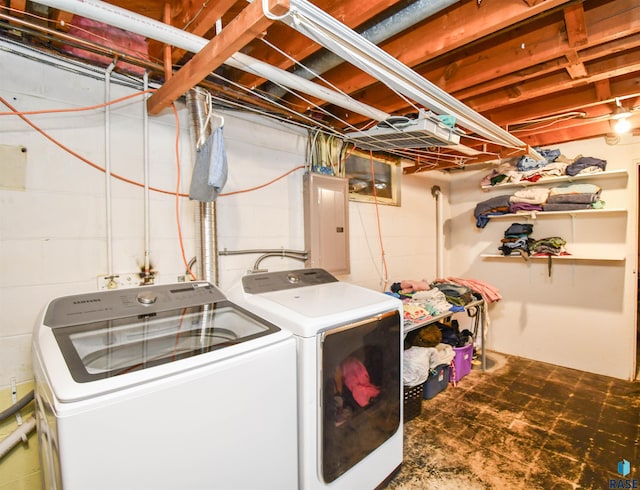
x,y
385,29
200,130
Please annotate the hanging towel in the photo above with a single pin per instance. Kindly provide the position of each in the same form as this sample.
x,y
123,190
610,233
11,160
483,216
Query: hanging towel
x,y
210,169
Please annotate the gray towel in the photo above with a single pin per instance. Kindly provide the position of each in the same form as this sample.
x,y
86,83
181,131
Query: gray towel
x,y
210,169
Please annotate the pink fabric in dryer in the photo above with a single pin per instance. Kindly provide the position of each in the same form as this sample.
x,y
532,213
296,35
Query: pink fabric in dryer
x,y
356,378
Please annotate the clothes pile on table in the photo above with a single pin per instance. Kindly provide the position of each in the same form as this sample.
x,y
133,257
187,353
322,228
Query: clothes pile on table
x,y
433,346
422,300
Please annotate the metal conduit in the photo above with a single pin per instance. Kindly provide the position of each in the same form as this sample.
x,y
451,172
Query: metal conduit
x,y
385,29
301,255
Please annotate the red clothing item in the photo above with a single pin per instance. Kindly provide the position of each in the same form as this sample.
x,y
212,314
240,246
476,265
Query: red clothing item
x,y
356,378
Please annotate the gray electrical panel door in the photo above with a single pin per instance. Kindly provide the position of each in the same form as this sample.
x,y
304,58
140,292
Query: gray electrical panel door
x,y
326,222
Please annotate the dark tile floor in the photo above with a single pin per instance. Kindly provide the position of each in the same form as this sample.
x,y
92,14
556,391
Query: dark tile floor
x,y
523,425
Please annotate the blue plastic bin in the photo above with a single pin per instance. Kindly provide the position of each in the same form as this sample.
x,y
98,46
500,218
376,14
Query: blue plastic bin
x,y
436,382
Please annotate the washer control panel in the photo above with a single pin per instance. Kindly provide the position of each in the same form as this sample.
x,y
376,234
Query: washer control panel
x,y
281,280
145,300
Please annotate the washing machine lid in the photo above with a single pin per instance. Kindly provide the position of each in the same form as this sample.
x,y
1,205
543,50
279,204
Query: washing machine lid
x,y
126,343
309,301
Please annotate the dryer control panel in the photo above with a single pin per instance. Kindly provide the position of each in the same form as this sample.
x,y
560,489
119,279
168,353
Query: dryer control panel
x,y
145,300
281,280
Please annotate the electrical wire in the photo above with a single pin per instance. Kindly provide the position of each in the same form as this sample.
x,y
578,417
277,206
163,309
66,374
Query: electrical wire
x,y
261,186
385,277
177,193
80,109
21,115
77,155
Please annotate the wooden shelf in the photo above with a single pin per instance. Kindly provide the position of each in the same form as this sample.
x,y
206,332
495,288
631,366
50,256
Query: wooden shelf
x,y
553,257
537,214
563,178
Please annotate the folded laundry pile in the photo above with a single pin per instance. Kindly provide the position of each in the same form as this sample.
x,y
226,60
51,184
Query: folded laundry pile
x,y
491,207
560,198
549,246
573,196
552,164
456,294
517,239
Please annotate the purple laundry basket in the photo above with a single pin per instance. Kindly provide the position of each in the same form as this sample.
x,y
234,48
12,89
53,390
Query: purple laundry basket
x,y
461,364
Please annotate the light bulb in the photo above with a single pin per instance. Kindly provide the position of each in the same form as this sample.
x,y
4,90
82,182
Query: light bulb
x,y
622,125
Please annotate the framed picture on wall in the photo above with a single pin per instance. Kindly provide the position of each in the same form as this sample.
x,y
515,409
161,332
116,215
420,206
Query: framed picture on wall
x,y
373,178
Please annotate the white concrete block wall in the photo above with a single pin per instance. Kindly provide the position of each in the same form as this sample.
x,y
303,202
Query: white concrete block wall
x,y
52,235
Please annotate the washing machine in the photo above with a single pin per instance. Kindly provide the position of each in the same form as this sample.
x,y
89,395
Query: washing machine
x,y
349,344
164,387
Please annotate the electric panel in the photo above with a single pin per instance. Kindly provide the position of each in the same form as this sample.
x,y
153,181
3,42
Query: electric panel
x,y
326,222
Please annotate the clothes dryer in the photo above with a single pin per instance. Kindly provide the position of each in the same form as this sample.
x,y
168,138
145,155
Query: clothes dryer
x,y
349,343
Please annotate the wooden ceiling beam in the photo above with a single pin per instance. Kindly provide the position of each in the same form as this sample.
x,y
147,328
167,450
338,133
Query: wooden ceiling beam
x,y
471,75
440,34
561,135
18,7
251,22
196,22
603,69
592,53
537,47
602,89
575,24
566,101
62,20
577,36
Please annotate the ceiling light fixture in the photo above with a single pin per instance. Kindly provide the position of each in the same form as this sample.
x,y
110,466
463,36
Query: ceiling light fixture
x,y
620,116
622,125
330,33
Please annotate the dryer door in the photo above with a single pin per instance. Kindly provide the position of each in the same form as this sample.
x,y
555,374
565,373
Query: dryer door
x,y
361,390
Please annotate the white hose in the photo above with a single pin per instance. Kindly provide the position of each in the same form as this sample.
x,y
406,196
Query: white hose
x,y
17,436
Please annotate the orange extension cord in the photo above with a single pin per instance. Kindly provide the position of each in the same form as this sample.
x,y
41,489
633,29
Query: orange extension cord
x,y
176,193
375,198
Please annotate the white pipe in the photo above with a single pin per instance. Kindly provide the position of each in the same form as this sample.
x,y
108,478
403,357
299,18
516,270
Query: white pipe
x,y
164,33
107,164
256,67
437,194
145,156
8,443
